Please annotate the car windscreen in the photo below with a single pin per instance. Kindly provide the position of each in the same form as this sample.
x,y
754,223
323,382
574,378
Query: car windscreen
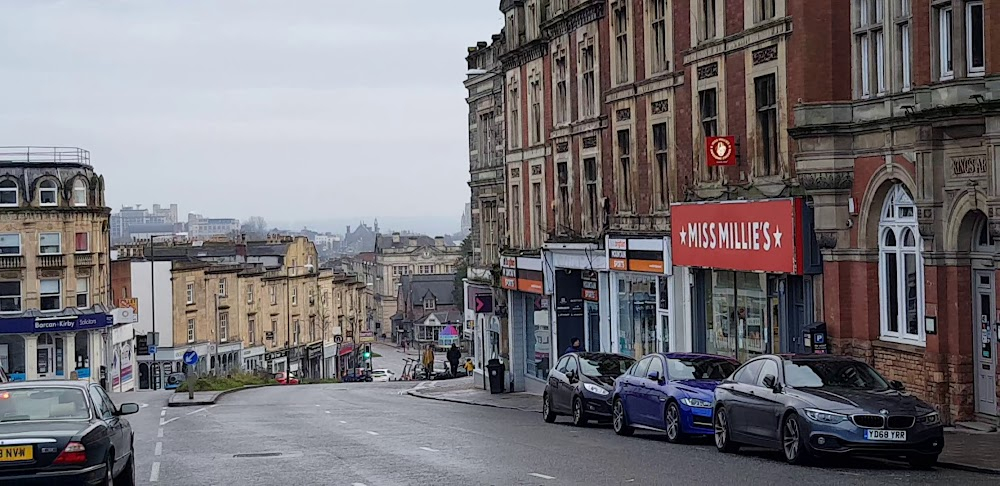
x,y
839,373
700,368
605,366
36,403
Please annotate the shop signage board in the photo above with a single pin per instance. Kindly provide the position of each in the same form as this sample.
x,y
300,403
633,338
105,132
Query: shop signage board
x,y
721,151
523,274
55,324
591,290
367,337
642,255
750,236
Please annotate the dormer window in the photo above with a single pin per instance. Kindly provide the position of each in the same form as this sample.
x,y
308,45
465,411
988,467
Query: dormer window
x,y
48,193
8,193
79,193
429,304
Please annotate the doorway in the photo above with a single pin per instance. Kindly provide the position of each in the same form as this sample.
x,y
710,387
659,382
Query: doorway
x,y
985,342
46,355
592,326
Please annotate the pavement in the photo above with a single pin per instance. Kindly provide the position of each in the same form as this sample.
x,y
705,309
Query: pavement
x,y
375,434
463,390
971,451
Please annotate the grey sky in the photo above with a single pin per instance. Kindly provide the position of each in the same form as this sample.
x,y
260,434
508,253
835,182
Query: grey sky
x,y
293,110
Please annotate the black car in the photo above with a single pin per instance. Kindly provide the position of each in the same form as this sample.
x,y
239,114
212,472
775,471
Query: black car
x,y
580,385
814,405
64,432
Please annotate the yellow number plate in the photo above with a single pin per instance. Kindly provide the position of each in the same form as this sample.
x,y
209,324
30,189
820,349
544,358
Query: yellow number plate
x,y
19,453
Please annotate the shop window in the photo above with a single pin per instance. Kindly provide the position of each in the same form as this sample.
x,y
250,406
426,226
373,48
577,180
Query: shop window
x,y
10,244
8,193
49,243
82,292
50,291
637,315
10,296
901,270
537,337
736,321
48,193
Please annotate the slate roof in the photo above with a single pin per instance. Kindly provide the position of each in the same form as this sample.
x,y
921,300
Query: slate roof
x,y
442,287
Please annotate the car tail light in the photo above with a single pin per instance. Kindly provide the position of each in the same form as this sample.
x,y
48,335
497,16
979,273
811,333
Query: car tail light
x,y
74,453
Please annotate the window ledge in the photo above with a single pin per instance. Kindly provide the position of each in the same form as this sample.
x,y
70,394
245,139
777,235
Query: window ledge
x,y
900,344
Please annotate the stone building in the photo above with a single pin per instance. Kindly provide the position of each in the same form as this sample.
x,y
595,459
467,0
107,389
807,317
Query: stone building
x,y
54,264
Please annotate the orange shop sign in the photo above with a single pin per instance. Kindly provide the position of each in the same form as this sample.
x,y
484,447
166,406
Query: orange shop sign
x,y
753,236
523,274
643,255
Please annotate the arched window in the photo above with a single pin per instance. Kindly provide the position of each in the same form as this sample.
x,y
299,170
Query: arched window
x,y
48,193
8,193
901,270
79,193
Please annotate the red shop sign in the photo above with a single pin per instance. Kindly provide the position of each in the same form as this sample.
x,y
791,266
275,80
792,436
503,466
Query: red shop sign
x,y
721,151
764,236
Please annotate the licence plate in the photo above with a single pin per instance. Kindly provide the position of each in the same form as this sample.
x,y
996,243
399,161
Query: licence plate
x,y
888,435
18,453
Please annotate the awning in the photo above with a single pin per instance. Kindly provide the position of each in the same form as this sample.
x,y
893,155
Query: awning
x,y
346,349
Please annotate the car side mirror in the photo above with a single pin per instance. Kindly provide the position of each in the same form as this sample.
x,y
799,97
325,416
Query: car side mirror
x,y
897,385
654,375
128,409
771,382
571,376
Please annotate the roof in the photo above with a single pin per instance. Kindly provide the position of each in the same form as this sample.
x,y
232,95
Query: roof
x,y
385,241
416,287
446,316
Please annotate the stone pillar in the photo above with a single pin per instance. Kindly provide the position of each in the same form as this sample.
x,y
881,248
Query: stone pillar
x,y
30,356
69,355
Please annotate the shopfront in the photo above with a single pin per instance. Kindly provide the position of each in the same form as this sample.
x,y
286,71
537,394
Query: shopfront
x,y
577,272
55,347
122,375
641,295
753,264
253,358
314,360
530,331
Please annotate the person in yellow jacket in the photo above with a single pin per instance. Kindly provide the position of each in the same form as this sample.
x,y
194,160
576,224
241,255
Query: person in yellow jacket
x,y
469,366
428,360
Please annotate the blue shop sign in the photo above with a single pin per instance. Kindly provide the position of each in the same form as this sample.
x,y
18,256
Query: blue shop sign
x,y
63,323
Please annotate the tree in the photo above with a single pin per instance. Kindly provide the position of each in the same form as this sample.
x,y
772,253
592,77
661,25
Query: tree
x,y
254,228
461,269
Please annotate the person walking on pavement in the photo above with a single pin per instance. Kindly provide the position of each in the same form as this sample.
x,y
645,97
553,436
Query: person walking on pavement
x,y
575,346
469,366
454,354
428,360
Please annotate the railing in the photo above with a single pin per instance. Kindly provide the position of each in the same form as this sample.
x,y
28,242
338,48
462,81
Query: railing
x,y
45,155
83,259
11,261
50,261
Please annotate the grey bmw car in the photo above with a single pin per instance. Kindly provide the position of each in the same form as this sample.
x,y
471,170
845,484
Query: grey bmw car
x,y
814,405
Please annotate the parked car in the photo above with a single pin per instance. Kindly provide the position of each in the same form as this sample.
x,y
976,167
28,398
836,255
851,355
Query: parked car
x,y
285,379
669,392
4,377
174,380
814,405
580,386
382,375
66,431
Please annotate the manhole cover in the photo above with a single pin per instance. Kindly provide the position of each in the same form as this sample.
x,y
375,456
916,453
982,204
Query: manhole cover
x,y
258,454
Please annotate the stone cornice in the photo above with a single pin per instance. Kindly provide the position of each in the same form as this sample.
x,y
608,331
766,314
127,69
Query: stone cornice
x,y
583,14
524,54
747,38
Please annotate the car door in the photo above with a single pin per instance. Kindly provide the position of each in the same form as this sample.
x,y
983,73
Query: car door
x,y
764,404
635,391
572,377
654,395
557,384
740,403
106,413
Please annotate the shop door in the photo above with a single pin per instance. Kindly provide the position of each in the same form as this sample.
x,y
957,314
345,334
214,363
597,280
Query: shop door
x,y
985,343
46,355
592,326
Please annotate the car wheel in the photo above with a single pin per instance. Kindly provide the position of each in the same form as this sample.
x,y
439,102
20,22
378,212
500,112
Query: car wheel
x,y
547,414
792,441
619,421
922,461
672,423
109,472
579,416
723,434
127,476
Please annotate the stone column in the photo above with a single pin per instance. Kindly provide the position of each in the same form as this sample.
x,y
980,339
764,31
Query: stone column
x,y
69,355
30,356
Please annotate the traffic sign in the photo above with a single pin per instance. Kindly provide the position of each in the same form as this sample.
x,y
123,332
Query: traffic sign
x,y
152,350
190,357
338,339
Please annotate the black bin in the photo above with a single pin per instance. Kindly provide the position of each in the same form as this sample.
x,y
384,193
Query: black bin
x,y
495,369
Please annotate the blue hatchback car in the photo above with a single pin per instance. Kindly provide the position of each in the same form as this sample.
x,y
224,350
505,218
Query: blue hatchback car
x,y
669,392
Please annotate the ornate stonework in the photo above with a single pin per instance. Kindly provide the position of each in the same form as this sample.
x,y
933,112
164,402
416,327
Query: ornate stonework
x,y
658,107
515,172
827,181
562,147
536,170
590,142
623,114
765,54
708,71
827,240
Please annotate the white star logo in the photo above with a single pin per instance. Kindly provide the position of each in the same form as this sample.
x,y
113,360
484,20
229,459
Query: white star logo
x,y
777,237
683,237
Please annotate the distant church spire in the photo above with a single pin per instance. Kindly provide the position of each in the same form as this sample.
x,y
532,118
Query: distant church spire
x,y
376,225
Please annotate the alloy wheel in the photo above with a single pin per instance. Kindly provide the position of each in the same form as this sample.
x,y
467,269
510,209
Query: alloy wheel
x,y
791,439
109,473
673,423
577,411
618,416
721,429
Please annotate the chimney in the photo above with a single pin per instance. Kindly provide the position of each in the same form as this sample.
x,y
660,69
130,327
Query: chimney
x,y
439,241
348,230
395,237
241,247
413,241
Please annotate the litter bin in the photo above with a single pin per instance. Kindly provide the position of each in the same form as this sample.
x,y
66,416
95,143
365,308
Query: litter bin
x,y
496,371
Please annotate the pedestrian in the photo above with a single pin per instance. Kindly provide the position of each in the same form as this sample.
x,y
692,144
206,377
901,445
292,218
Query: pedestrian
x,y
454,354
469,366
575,346
428,360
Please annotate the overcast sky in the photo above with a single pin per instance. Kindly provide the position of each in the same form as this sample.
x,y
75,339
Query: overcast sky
x,y
290,109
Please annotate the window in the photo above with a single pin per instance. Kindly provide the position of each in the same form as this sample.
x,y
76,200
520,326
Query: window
x,y
514,101
8,193
82,243
767,123
190,330
486,145
562,178
769,367
588,86
274,297
252,329
975,40
620,16
429,304
190,293
51,295
50,243
312,328
659,40
763,10
515,215
296,330
222,287
82,292
10,244
662,160
295,296
536,219
250,293
223,327
946,69
562,89
901,270
749,372
903,46
10,296
48,193
869,35
590,186
274,327
624,170
79,192
709,109
535,98
706,24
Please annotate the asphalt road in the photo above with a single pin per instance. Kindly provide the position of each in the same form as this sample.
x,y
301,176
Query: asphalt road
x,y
373,434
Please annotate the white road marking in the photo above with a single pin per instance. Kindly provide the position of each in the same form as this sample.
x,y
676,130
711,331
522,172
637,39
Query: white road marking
x,y
165,422
202,409
541,476
144,405
159,449
371,433
357,484
317,405
154,475
163,412
327,411
428,449
213,406
159,433
343,422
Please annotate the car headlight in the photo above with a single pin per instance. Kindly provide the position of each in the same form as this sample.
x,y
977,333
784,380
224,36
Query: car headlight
x,y
825,417
696,402
932,418
595,389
